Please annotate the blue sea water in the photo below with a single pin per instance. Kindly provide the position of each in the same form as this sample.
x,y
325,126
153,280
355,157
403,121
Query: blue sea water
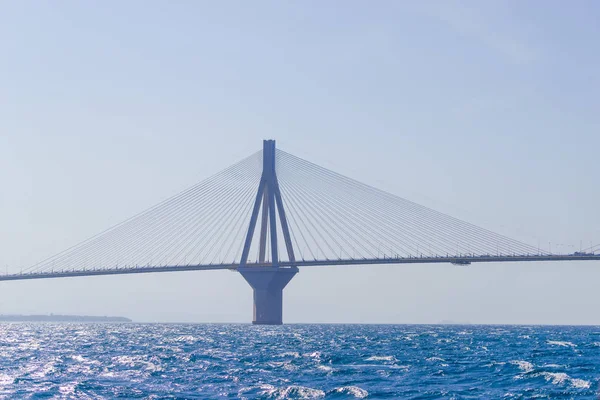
x,y
172,361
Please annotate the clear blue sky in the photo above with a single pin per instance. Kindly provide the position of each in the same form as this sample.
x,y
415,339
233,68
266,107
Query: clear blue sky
x,y
488,111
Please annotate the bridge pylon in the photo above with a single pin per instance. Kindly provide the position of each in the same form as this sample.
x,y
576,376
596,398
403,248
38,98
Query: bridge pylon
x,y
269,279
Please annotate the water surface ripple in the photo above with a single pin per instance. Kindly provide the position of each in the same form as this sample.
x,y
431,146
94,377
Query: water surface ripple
x,y
179,361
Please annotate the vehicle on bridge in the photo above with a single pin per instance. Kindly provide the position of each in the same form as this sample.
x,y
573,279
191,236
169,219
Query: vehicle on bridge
x,y
461,262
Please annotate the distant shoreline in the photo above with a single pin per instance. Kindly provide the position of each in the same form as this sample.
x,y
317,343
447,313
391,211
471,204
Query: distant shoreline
x,y
61,318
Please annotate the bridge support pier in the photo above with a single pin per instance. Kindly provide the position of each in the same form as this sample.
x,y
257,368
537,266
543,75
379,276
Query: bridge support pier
x,y
268,284
268,280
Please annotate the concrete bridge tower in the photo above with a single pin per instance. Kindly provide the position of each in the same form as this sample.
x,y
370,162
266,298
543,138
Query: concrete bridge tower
x,y
269,279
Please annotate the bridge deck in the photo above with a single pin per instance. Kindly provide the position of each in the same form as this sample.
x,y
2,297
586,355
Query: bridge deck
x,y
303,263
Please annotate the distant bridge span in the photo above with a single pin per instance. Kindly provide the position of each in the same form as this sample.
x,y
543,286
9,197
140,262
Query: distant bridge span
x,y
237,219
287,264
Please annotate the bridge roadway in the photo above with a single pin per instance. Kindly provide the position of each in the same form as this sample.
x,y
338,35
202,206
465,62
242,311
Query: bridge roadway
x,y
304,263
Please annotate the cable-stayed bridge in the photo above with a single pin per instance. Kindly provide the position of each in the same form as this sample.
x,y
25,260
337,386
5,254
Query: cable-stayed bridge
x,y
273,212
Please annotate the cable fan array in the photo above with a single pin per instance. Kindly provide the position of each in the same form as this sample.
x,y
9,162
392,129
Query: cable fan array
x,y
335,217
204,224
330,217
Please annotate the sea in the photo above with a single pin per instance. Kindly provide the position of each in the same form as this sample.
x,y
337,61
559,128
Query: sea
x,y
206,361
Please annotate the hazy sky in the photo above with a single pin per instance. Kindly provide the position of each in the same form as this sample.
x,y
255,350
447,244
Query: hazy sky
x,y
488,111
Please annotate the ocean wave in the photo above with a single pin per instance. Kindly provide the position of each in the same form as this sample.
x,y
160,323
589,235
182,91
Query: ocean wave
x,y
382,358
315,354
293,354
293,392
325,368
138,362
524,366
286,365
580,383
561,378
292,362
353,391
184,338
553,366
67,389
6,380
561,343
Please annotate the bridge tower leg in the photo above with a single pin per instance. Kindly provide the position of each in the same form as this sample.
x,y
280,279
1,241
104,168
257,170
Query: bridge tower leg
x,y
269,279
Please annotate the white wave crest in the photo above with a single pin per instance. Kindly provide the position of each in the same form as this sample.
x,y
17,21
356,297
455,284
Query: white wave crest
x,y
285,365
382,358
561,343
524,366
580,383
325,368
293,354
67,389
293,392
6,380
184,338
316,355
561,378
354,391
553,366
557,378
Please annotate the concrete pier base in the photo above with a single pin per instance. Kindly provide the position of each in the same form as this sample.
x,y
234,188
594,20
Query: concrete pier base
x,y
268,284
